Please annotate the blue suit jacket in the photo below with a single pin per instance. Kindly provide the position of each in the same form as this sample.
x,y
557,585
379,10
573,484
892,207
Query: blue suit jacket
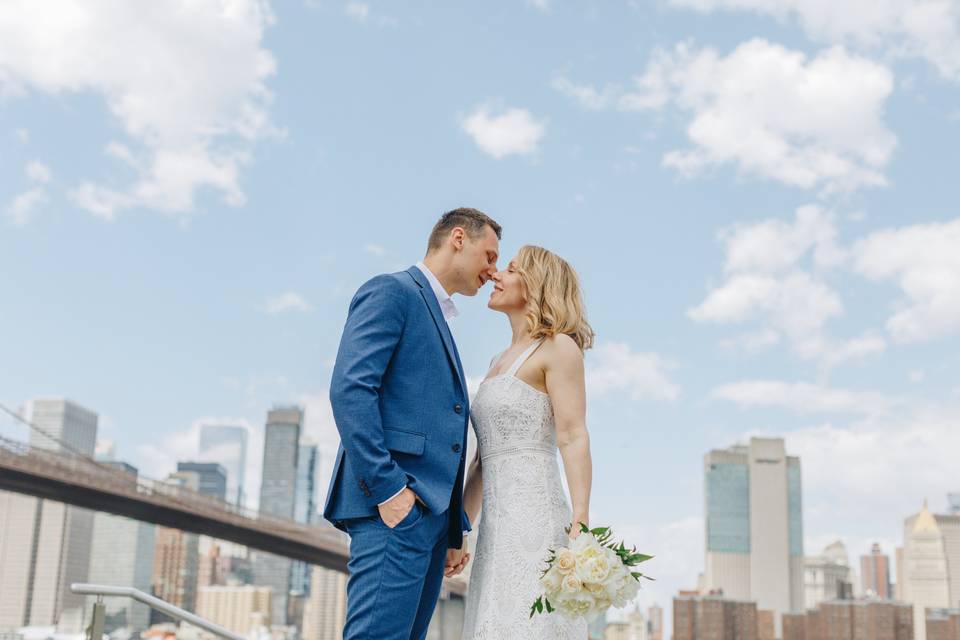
x,y
400,403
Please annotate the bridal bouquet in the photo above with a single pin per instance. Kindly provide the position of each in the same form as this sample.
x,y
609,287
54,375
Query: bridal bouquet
x,y
589,576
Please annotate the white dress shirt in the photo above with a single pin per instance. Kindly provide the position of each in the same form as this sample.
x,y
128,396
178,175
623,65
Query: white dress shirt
x,y
449,310
447,305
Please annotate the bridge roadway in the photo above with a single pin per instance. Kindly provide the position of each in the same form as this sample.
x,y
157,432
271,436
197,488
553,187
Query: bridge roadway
x,y
83,482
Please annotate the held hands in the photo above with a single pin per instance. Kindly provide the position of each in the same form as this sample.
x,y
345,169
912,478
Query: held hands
x,y
396,509
457,560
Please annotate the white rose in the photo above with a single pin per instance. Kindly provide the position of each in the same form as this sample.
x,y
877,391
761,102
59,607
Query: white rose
x,y
577,606
566,561
595,569
571,583
551,580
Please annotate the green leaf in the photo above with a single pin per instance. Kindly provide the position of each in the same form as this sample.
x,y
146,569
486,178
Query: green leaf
x,y
550,608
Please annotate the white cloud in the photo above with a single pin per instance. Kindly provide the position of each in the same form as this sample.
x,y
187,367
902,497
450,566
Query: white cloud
x,y
359,11
801,397
927,29
374,250
924,260
776,274
777,245
614,367
192,100
795,304
23,207
23,135
512,132
38,172
847,467
813,123
540,5
288,301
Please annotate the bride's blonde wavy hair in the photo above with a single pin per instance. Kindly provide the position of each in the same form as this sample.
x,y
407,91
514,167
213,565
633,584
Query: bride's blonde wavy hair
x,y
554,301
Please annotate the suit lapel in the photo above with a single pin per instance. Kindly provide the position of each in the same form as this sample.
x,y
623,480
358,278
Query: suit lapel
x,y
434,306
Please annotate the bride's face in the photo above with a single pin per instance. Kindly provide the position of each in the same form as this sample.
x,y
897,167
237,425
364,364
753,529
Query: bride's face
x,y
508,292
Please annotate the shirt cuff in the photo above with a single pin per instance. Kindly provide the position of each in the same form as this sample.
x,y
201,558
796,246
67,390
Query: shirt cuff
x,y
391,497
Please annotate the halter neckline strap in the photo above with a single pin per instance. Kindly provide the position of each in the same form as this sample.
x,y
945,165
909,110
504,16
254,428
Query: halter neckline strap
x,y
523,357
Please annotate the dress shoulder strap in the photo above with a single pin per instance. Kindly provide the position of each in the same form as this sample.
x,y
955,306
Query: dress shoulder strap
x,y
523,358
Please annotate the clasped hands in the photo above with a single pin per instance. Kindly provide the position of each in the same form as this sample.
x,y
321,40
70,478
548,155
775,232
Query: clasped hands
x,y
393,511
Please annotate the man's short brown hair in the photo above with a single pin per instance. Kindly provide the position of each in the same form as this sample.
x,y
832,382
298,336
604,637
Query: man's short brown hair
x,y
472,221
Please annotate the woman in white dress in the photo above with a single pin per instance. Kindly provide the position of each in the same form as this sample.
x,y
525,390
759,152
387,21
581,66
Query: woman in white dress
x,y
531,404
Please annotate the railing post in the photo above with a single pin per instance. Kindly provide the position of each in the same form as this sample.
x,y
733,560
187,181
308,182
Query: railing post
x,y
95,630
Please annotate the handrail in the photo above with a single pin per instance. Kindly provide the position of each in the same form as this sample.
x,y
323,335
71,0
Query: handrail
x,y
154,603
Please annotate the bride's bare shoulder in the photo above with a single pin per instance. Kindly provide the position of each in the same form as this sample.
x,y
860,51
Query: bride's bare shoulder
x,y
562,351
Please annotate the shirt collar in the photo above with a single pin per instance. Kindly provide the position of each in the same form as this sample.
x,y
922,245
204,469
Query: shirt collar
x,y
447,305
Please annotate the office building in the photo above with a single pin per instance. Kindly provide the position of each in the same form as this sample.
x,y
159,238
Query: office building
x,y
122,553
239,608
875,574
45,545
754,526
827,576
227,445
278,498
931,564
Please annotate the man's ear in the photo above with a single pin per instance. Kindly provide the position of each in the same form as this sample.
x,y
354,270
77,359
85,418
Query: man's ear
x,y
457,234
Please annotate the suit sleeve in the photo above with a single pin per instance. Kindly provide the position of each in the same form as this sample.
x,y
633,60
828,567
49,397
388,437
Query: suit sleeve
x,y
371,334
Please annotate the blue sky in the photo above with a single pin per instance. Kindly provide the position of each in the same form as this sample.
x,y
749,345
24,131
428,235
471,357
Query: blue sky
x,y
760,197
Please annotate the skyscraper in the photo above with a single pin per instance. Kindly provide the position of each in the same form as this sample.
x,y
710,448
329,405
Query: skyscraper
x,y
754,525
176,557
278,492
931,557
211,477
326,606
953,503
875,573
305,509
45,545
228,446
122,554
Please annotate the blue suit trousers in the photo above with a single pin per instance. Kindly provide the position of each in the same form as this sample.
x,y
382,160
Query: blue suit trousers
x,y
395,575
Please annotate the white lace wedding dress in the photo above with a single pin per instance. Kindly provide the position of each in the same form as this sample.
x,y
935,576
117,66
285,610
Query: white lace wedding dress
x,y
524,513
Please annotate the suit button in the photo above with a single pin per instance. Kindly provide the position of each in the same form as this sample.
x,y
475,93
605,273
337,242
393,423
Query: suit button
x,y
456,448
458,408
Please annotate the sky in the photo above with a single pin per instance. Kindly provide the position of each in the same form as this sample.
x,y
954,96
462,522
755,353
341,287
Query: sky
x,y
759,197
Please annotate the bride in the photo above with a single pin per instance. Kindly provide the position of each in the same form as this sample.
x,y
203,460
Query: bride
x,y
531,404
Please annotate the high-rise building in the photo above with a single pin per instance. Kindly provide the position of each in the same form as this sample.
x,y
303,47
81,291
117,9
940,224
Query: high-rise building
x,y
45,545
953,503
211,478
713,617
305,510
122,553
875,574
218,569
227,445
754,525
931,558
326,607
176,557
655,616
239,608
278,497
827,576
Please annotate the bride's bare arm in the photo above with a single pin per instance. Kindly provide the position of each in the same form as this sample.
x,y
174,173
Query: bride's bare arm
x,y
564,380
473,489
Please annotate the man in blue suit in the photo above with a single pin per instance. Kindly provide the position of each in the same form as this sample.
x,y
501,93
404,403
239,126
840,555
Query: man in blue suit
x,y
401,406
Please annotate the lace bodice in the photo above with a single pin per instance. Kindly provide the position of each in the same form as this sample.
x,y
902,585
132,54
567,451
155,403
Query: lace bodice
x,y
523,515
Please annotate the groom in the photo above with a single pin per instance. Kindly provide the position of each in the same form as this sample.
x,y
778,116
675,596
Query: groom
x,y
400,403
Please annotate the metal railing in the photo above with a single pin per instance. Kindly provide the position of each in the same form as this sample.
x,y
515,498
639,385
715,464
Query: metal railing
x,y
99,590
